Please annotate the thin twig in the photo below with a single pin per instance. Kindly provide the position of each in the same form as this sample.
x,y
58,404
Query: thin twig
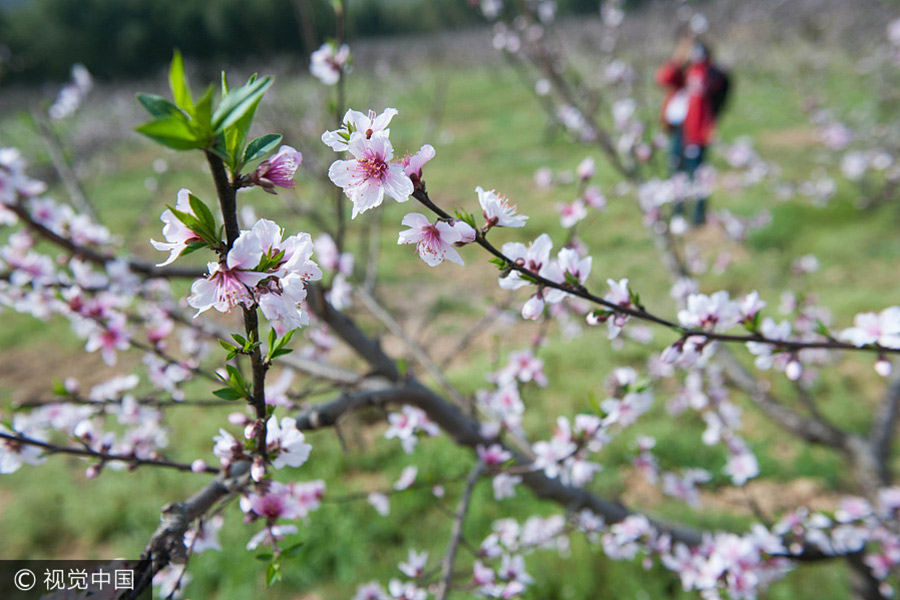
x,y
456,532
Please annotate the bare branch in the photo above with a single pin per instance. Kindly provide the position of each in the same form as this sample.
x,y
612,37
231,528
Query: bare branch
x,y
884,428
456,532
167,543
102,456
416,351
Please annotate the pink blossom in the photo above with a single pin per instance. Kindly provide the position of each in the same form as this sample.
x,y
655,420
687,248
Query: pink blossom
x,y
407,478
286,443
380,503
405,425
205,536
523,366
493,455
871,328
412,165
534,306
370,124
278,170
505,485
534,258
327,63
741,467
108,338
370,591
571,214
434,243
594,198
270,535
717,311
14,454
230,283
370,175
328,256
415,565
497,210
275,503
177,234
585,169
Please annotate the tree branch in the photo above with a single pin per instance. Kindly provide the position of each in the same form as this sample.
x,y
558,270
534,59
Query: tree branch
x,y
456,532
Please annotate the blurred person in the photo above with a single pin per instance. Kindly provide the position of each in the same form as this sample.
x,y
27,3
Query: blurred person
x,y
696,90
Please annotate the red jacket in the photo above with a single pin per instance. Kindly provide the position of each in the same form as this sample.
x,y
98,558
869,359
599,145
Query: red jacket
x,y
700,120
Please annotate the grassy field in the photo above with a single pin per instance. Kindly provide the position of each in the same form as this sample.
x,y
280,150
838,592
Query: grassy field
x,y
490,132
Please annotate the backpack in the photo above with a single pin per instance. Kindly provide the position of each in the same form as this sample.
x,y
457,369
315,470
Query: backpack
x,y
717,89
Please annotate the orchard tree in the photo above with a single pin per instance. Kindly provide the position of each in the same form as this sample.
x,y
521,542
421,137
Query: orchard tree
x,y
270,283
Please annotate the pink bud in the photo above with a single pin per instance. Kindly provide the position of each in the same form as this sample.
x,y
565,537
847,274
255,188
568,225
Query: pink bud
x,y
258,470
793,370
533,307
198,466
237,418
883,367
93,471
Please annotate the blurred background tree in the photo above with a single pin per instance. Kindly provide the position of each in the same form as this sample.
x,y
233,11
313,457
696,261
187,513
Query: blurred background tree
x,y
115,38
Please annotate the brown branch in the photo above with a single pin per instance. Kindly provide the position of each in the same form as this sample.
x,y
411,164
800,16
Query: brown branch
x,y
62,167
102,456
415,350
227,192
884,428
640,313
139,267
456,532
811,429
167,543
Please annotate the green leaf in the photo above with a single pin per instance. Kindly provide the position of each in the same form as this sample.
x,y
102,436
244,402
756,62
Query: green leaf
x,y
193,247
203,213
226,345
280,352
822,329
224,84
178,83
261,146
203,113
235,377
228,394
194,224
157,105
572,280
266,556
468,218
273,573
238,103
528,277
59,388
173,132
292,551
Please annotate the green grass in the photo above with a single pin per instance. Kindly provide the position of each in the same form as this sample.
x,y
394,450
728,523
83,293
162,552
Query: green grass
x,y
492,134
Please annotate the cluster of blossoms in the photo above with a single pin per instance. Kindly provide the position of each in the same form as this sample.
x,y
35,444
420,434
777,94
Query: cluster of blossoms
x,y
72,94
273,501
261,268
568,270
110,420
285,444
406,425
